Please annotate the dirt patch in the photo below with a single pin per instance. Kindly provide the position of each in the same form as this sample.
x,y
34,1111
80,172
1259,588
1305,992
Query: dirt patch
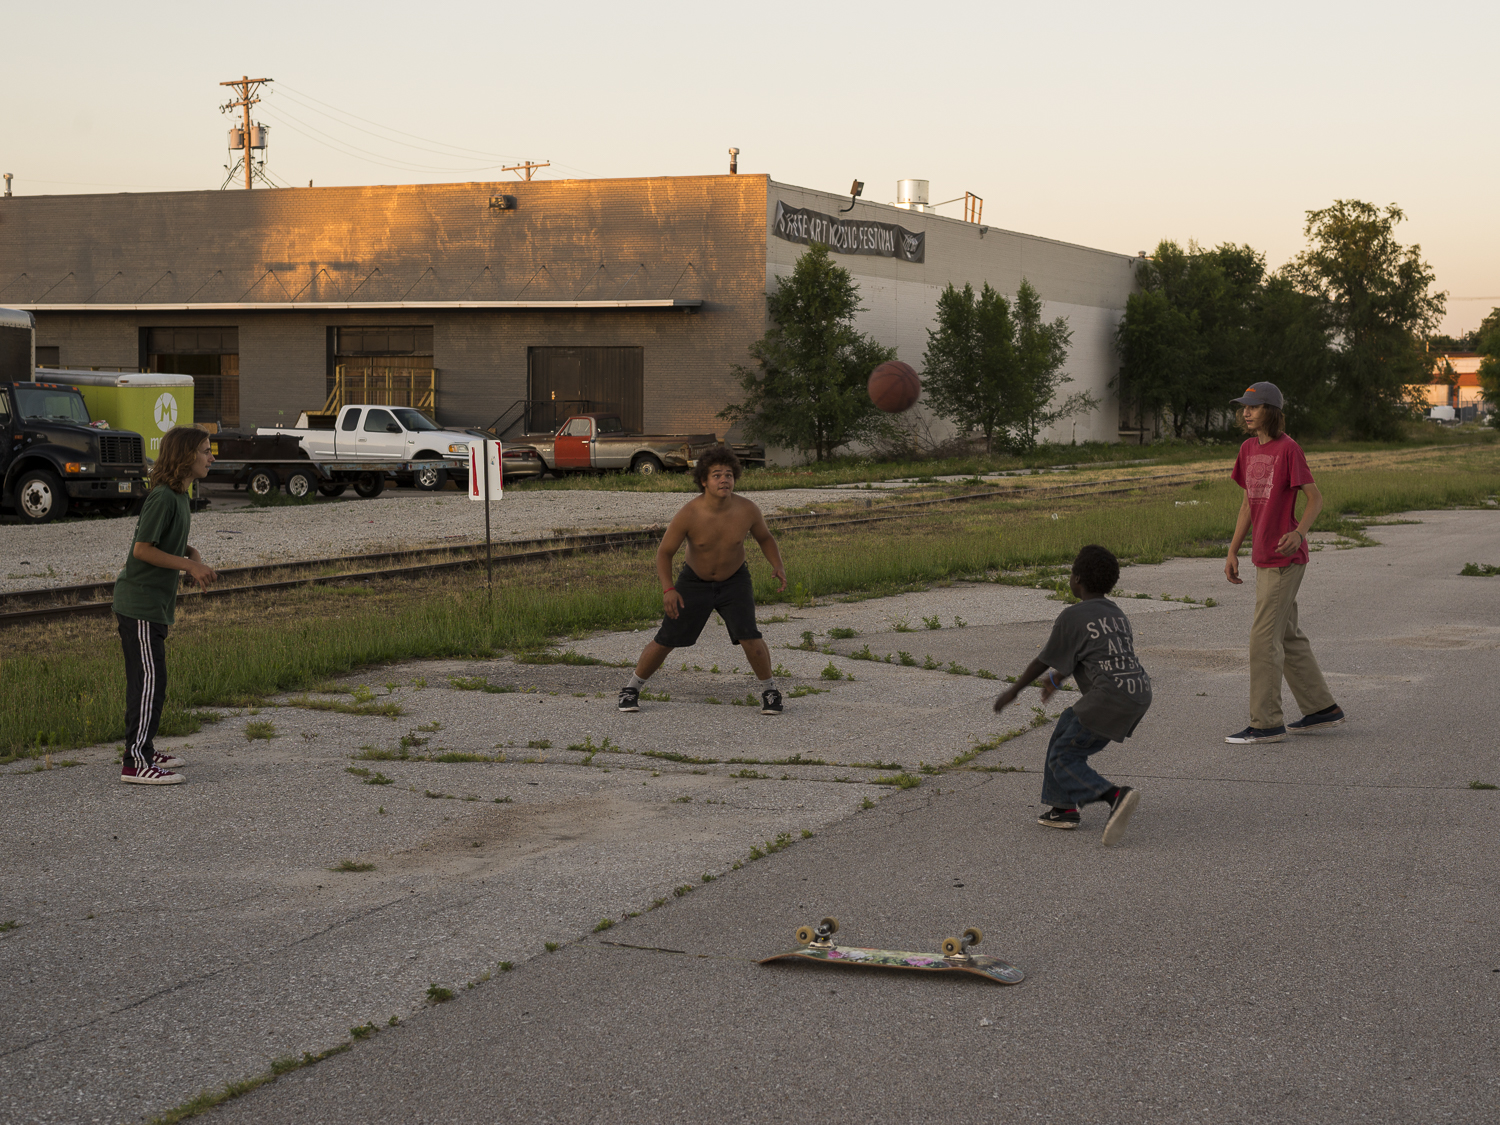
x,y
1199,659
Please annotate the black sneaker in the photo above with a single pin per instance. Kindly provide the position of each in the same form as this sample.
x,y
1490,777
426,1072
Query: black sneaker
x,y
1328,717
770,702
1120,811
1257,734
630,699
1060,818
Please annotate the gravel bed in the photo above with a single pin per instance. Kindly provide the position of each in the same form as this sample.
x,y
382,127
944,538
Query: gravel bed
x,y
93,550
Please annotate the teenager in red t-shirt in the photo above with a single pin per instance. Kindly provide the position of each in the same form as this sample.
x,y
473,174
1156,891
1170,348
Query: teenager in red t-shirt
x,y
1271,469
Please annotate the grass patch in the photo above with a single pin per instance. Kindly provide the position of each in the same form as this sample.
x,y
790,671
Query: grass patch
x,y
604,924
802,689
260,730
843,634
900,781
350,865
479,683
384,707
1479,570
672,756
208,1099
1482,785
438,994
576,658
63,687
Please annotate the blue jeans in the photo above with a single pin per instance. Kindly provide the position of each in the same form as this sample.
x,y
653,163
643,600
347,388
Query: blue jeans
x,y
1068,780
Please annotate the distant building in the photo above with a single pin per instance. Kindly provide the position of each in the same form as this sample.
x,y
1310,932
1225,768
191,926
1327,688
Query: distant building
x,y
517,300
1464,389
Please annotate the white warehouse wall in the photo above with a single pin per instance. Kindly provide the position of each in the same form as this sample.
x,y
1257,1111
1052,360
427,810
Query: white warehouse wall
x,y
1086,287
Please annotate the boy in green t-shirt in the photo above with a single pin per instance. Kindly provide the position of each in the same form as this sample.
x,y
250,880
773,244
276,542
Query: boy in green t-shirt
x,y
146,598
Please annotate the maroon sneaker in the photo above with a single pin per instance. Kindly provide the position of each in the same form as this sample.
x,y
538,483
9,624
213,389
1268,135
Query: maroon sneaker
x,y
151,775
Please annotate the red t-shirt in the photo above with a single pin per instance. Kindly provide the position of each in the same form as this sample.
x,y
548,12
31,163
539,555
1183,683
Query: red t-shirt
x,y
1271,474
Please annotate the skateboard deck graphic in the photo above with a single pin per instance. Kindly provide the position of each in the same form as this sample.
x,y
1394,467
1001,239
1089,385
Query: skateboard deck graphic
x,y
817,945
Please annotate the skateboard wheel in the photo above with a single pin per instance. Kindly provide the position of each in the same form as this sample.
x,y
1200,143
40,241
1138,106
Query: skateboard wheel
x,y
952,947
973,935
831,923
805,935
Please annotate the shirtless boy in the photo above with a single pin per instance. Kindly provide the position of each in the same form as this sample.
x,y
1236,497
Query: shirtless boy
x,y
716,577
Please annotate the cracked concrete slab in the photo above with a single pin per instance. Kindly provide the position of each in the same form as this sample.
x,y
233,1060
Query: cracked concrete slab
x,y
1289,931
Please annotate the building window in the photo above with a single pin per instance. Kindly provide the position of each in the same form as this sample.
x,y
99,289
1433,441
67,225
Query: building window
x,y
212,357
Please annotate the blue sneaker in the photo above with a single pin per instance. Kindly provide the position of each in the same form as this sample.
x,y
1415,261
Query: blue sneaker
x,y
1328,717
1258,734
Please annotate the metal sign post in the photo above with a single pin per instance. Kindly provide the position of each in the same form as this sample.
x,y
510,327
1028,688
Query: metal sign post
x,y
486,483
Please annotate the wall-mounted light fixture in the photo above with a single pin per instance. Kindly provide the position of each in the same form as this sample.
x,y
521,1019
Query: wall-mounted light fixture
x,y
856,190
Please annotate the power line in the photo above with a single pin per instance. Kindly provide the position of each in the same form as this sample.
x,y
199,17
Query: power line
x,y
342,147
458,152
391,128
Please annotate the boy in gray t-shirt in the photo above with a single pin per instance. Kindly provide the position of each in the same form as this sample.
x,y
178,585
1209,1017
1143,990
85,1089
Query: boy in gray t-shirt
x,y
1091,642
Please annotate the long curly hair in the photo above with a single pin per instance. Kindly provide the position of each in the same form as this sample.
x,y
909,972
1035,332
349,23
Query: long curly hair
x,y
174,458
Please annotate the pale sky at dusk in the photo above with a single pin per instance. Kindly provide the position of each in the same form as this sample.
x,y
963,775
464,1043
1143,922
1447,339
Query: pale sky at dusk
x,y
1109,125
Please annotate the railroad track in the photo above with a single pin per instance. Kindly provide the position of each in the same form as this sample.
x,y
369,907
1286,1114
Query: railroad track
x,y
94,597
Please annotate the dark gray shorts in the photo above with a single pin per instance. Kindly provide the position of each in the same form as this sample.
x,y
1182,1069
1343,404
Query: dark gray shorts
x,y
734,598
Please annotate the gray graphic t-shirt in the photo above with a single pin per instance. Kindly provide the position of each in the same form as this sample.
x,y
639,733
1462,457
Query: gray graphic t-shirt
x,y
1092,643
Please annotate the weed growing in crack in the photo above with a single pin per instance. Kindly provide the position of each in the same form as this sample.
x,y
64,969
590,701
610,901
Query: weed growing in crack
x,y
438,994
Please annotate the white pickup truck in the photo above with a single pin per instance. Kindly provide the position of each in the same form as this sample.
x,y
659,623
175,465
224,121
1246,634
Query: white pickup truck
x,y
380,433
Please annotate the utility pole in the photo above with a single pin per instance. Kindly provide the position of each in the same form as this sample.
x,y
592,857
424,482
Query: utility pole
x,y
528,169
246,87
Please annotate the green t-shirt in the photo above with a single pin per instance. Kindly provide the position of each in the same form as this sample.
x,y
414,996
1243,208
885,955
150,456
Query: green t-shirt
x,y
148,592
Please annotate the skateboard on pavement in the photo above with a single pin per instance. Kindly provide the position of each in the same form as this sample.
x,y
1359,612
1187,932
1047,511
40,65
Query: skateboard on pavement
x,y
817,945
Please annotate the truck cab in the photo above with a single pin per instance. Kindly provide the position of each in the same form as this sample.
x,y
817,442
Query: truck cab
x,y
54,456
364,432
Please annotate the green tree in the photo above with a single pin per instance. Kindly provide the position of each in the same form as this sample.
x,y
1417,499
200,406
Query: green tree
x,y
1186,337
808,389
969,367
1288,344
1041,350
1488,346
996,367
1376,296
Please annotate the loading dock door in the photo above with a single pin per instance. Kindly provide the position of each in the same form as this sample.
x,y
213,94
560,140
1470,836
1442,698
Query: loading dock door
x,y
212,357
565,381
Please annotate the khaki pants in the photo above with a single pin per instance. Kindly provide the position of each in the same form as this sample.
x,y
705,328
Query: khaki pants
x,y
1278,648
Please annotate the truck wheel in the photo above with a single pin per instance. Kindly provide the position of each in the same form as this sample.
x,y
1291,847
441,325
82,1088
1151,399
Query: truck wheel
x,y
646,465
331,490
300,483
40,497
429,479
261,483
370,484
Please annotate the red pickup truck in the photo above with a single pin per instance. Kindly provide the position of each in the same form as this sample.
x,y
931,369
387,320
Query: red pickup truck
x,y
596,442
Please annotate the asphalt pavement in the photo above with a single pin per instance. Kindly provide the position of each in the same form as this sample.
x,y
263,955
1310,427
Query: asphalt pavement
x,y
1303,931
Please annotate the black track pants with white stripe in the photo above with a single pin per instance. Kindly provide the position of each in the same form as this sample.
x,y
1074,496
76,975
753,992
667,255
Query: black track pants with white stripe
x,y
145,644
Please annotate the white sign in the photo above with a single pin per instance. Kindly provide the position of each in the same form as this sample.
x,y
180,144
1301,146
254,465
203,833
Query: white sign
x,y
488,454
166,412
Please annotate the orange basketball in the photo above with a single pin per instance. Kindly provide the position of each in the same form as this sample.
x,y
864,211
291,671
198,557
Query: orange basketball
x,y
894,386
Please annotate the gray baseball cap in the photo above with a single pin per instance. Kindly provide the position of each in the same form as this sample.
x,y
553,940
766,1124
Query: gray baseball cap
x,y
1260,394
